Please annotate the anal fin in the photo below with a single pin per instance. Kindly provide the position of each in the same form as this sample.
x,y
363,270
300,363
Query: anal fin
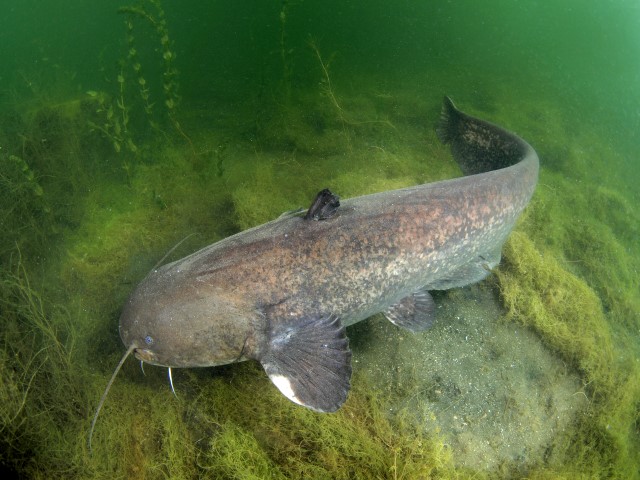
x,y
415,312
309,361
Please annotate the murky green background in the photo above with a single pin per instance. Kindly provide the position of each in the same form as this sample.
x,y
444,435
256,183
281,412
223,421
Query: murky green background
x,y
123,130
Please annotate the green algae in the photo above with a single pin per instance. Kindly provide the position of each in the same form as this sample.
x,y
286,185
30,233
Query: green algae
x,y
148,433
44,386
538,291
571,281
568,315
357,442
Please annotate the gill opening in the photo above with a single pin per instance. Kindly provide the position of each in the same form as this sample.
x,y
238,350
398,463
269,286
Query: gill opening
x,y
106,391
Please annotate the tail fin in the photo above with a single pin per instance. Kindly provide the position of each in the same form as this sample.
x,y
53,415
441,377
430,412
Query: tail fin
x,y
478,146
449,121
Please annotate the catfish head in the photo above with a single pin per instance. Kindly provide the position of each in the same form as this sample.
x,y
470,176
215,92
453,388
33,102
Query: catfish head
x,y
177,319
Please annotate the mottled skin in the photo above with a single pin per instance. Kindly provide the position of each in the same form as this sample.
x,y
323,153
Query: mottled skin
x,y
216,305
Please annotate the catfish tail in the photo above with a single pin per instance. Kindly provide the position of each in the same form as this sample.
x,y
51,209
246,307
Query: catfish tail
x,y
478,146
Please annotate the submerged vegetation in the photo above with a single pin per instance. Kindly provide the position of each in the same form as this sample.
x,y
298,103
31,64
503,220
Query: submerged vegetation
x,y
210,435
135,108
568,315
94,191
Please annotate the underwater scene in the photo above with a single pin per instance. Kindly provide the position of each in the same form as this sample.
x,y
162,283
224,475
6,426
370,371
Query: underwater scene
x,y
134,134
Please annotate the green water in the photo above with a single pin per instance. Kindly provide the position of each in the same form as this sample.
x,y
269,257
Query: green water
x,y
122,132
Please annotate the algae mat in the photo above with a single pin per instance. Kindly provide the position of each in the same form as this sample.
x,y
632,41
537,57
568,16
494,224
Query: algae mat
x,y
518,375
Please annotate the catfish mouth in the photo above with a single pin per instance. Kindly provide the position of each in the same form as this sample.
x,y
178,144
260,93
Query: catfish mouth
x,y
145,355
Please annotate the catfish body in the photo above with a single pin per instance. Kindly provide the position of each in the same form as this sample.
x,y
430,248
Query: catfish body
x,y
283,292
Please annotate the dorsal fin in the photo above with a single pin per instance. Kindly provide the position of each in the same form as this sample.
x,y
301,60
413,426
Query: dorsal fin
x,y
324,206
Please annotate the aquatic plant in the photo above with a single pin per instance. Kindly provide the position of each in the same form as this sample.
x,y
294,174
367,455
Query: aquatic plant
x,y
325,81
115,127
327,91
18,369
568,315
120,119
274,439
23,205
41,379
170,73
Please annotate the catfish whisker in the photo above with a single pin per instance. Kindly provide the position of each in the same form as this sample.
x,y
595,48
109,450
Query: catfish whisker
x,y
106,391
171,383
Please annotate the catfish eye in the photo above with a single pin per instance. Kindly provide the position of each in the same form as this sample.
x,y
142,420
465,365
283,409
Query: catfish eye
x,y
148,340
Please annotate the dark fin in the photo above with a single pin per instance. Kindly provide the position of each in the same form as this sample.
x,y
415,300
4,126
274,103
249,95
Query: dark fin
x,y
447,126
478,146
470,273
310,362
415,312
324,206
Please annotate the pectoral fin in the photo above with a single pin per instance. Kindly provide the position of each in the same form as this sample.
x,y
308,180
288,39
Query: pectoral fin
x,y
415,312
309,361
